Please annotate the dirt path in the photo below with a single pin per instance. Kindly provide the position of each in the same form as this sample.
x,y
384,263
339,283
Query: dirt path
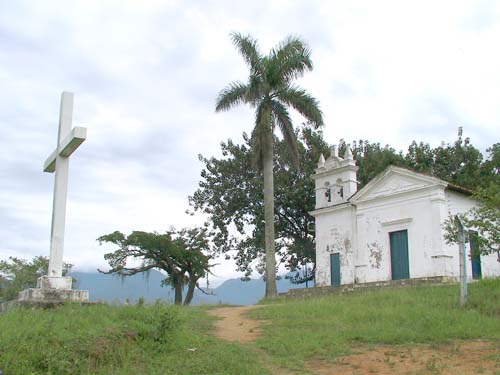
x,y
235,324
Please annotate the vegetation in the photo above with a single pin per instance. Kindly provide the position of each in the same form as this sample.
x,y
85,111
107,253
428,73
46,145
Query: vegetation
x,y
103,339
324,328
482,221
18,274
459,163
183,255
270,91
167,339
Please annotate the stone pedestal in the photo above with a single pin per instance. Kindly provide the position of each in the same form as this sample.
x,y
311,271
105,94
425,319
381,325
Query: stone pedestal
x,y
51,282
53,295
53,290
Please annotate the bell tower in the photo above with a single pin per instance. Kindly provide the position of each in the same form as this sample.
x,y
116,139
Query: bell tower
x,y
335,178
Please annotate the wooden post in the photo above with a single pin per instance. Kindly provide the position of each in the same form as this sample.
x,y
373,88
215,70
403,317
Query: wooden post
x,y
463,261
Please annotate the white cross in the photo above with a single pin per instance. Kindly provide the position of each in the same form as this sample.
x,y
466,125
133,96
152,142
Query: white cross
x,y
68,140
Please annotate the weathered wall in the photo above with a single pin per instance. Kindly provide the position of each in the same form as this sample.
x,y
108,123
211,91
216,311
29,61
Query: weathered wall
x,y
335,234
412,211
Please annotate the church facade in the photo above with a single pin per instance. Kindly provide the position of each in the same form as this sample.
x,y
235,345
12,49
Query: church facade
x,y
390,229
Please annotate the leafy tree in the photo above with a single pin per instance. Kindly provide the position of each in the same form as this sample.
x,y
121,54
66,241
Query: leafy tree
x,y
270,91
420,157
18,274
181,254
483,219
490,168
230,193
459,163
371,159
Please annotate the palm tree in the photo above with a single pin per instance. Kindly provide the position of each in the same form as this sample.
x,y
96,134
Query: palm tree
x,y
270,91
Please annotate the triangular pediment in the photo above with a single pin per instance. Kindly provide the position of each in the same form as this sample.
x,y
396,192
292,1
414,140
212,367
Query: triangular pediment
x,y
394,181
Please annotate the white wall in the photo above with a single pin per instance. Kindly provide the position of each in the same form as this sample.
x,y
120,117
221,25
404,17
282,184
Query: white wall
x,y
334,234
412,211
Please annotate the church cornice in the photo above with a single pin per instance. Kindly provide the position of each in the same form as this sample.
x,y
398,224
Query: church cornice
x,y
336,207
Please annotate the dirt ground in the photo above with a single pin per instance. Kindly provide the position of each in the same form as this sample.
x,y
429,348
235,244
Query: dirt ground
x,y
459,358
235,325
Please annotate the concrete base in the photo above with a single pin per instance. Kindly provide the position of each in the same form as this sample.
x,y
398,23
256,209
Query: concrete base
x,y
51,282
53,295
50,289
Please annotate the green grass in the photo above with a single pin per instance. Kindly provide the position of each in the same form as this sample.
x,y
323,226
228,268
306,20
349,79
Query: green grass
x,y
330,326
103,339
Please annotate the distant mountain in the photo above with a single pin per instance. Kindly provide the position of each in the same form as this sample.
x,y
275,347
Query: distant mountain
x,y
115,289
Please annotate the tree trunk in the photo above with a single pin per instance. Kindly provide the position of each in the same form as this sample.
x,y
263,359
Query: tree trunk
x,y
178,289
190,293
271,291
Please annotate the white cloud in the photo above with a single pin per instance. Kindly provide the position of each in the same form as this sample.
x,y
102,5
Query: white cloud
x,y
146,75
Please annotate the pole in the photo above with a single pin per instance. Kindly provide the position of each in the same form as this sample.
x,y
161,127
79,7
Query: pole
x,y
306,275
463,261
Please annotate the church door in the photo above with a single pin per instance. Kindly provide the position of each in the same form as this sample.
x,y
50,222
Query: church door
x,y
335,269
399,255
475,256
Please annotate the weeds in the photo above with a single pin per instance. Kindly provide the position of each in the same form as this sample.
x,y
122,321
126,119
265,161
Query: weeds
x,y
103,339
328,327
164,339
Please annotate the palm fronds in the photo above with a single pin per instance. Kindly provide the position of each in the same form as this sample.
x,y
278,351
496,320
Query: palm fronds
x,y
230,96
247,47
303,103
282,118
292,58
269,91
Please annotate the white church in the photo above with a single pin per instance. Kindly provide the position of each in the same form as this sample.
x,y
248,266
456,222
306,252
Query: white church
x,y
390,229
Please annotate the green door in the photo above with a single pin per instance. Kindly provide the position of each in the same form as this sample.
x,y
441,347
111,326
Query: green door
x,y
335,269
399,255
475,255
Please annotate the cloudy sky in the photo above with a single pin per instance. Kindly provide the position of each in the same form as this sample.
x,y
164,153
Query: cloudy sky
x,y
146,74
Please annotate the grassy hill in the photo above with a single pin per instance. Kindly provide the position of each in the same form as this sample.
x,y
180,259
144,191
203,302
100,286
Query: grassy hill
x,y
165,339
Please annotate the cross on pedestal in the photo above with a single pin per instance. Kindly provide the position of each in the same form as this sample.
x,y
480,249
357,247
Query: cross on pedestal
x,y
68,141
54,287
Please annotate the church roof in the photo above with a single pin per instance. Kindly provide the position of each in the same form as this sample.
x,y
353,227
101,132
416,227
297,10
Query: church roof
x,y
459,189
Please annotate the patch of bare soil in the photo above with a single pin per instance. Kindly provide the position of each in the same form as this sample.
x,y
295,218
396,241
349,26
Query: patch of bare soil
x,y
235,325
459,358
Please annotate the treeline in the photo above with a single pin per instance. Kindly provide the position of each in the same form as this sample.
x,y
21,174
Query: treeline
x,y
459,163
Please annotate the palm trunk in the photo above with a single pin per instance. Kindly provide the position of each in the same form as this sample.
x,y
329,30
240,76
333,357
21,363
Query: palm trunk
x,y
268,151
